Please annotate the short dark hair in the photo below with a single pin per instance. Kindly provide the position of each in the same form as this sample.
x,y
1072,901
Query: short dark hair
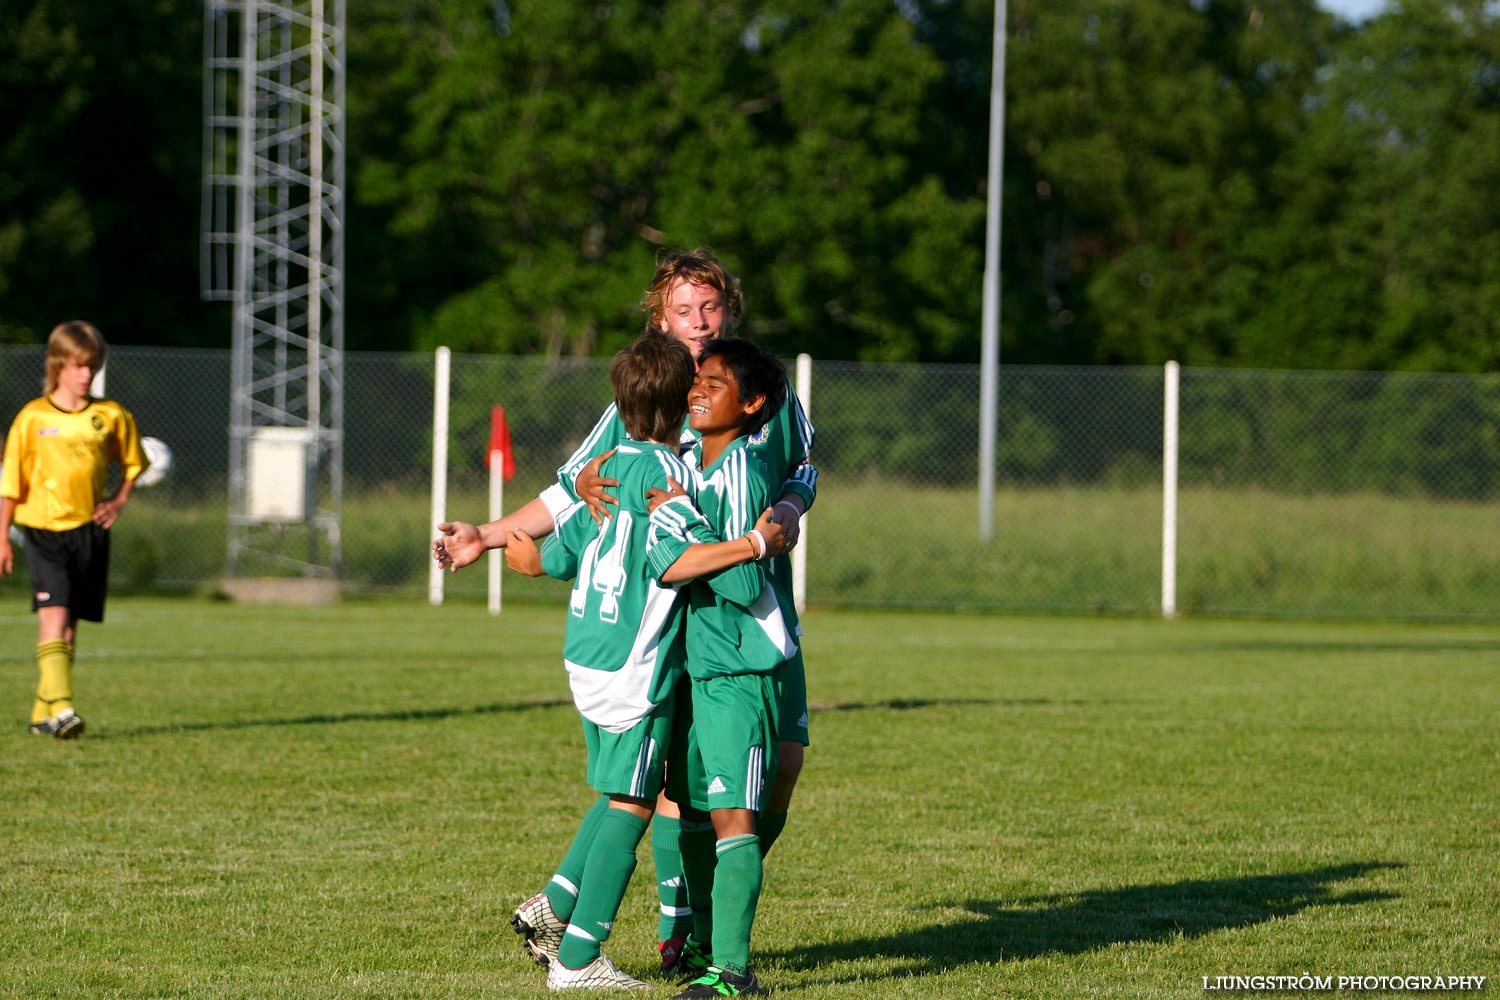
x,y
756,373
651,378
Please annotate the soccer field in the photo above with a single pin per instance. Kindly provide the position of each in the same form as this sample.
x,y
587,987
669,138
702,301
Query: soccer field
x,y
349,801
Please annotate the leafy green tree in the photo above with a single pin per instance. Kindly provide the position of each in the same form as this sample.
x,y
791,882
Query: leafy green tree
x,y
99,171
1151,130
543,154
1386,253
44,226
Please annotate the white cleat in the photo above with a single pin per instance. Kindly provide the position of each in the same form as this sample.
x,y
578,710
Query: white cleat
x,y
540,928
600,974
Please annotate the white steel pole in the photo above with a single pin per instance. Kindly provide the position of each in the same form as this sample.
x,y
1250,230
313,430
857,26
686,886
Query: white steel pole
x,y
497,508
439,466
799,554
1169,495
989,352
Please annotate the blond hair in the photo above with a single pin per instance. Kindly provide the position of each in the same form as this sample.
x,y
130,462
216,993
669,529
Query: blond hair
x,y
697,267
75,341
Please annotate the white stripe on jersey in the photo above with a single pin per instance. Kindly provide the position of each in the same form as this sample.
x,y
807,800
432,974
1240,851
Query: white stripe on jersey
x,y
805,474
732,486
767,614
588,449
802,428
615,700
676,516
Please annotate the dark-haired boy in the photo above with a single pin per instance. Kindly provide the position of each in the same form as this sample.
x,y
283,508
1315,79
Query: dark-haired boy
x,y
623,651
735,653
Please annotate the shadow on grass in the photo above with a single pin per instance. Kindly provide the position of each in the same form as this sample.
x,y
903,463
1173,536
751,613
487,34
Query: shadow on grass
x,y
911,704
1069,924
329,719
1444,644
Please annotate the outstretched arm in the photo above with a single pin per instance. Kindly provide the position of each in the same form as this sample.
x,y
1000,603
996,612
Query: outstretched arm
x,y
462,543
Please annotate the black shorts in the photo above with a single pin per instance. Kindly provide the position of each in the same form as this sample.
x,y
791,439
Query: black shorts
x,y
69,569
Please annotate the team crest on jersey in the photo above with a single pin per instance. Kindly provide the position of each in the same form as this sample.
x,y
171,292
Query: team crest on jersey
x,y
763,435
97,421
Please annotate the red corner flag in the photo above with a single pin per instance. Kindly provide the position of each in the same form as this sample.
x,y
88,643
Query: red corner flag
x,y
500,441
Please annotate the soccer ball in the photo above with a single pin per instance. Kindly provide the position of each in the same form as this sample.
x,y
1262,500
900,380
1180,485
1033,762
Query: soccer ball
x,y
161,461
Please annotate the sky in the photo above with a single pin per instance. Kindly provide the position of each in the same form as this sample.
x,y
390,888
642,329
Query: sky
x,y
1353,10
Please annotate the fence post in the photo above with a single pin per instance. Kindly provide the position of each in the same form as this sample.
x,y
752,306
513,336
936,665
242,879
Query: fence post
x,y
439,466
497,509
799,554
1169,495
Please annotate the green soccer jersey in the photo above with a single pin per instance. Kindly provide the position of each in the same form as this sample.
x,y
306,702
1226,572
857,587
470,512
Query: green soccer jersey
x,y
623,644
784,445
737,623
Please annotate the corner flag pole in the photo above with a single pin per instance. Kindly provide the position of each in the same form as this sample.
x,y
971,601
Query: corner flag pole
x,y
989,352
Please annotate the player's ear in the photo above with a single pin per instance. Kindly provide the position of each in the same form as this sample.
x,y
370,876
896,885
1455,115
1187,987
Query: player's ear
x,y
754,404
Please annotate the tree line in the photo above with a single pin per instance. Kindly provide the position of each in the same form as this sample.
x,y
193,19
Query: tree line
x,y
1224,182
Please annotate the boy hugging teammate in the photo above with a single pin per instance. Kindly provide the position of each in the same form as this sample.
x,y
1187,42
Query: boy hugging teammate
x,y
624,648
736,646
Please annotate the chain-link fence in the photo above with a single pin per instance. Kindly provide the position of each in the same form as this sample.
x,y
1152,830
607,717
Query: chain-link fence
x,y
1300,493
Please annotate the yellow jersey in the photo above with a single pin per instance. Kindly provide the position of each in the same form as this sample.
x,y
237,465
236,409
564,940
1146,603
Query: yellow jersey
x,y
57,461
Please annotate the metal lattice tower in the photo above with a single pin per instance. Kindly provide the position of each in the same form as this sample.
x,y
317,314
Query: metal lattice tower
x,y
273,244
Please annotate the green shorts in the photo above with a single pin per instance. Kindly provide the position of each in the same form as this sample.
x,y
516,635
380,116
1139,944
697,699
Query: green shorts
x,y
630,763
728,758
794,700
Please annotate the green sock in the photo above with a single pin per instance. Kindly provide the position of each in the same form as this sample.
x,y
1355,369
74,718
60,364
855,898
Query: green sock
x,y
737,879
698,869
611,862
562,891
768,827
671,888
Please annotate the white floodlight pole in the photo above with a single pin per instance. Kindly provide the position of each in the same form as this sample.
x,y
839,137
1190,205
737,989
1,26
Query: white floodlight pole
x,y
989,352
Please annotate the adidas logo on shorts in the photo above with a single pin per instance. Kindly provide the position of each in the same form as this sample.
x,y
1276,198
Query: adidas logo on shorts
x,y
716,786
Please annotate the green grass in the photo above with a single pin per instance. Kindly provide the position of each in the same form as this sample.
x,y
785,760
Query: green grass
x,y
347,802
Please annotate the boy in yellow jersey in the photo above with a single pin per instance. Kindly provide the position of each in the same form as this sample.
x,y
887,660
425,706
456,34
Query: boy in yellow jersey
x,y
57,458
